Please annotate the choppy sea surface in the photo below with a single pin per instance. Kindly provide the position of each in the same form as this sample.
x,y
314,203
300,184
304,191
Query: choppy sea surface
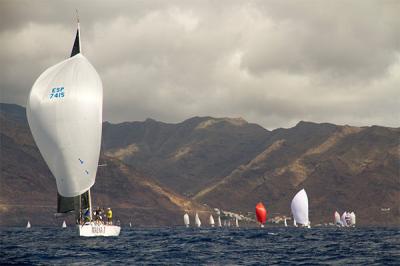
x,y
215,246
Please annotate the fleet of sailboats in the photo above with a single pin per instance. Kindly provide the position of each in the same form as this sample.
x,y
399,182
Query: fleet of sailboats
x,y
64,112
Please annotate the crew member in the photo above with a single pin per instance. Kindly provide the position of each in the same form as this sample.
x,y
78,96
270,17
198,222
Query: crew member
x,y
109,216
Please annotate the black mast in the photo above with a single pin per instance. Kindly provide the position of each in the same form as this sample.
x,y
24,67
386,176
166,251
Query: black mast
x,y
76,49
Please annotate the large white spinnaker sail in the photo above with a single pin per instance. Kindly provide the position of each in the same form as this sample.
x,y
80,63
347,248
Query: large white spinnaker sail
x,y
299,208
64,112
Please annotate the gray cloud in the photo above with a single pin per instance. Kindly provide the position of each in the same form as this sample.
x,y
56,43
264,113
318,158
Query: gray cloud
x,y
270,62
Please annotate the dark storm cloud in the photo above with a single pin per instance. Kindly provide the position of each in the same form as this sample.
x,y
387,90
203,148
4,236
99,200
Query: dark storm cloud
x,y
270,62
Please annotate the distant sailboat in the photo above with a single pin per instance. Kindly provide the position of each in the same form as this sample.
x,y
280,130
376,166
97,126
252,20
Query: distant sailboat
x,y
28,225
337,219
219,221
197,220
299,208
212,222
236,222
64,225
352,219
284,222
64,112
130,224
186,219
261,214
343,219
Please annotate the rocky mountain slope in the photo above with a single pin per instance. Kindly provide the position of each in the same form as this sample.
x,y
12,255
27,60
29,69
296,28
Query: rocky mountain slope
x,y
231,164
28,190
156,170
185,156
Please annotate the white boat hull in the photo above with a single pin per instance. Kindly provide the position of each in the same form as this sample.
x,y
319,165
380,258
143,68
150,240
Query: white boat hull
x,y
98,230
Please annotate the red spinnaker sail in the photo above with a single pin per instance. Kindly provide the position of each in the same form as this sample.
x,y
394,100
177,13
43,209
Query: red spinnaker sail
x,y
261,213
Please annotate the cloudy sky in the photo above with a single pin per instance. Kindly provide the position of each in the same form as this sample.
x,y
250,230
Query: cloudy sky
x,y
270,62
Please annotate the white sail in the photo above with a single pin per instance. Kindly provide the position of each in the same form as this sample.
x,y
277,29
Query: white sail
x,y
186,220
197,220
294,222
299,208
352,219
28,225
219,221
284,222
337,218
64,112
236,222
212,223
343,219
130,224
64,225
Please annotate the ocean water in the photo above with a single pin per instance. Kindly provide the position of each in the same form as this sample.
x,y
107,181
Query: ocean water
x,y
219,246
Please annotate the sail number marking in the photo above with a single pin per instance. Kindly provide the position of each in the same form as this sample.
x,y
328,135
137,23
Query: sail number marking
x,y
57,93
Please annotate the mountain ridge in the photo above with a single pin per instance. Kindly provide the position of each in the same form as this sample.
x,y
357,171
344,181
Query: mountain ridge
x,y
221,162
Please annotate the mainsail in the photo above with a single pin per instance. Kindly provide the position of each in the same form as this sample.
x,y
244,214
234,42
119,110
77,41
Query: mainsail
x,y
186,219
219,221
343,219
337,218
64,112
352,219
299,208
197,220
212,223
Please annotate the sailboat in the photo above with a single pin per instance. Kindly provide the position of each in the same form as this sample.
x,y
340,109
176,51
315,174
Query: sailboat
x,y
197,220
186,219
64,224
28,225
338,222
284,222
352,219
343,219
236,222
64,112
212,223
219,221
299,208
261,214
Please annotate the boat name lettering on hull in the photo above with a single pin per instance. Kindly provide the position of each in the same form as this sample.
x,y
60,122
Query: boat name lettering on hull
x,y
98,229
